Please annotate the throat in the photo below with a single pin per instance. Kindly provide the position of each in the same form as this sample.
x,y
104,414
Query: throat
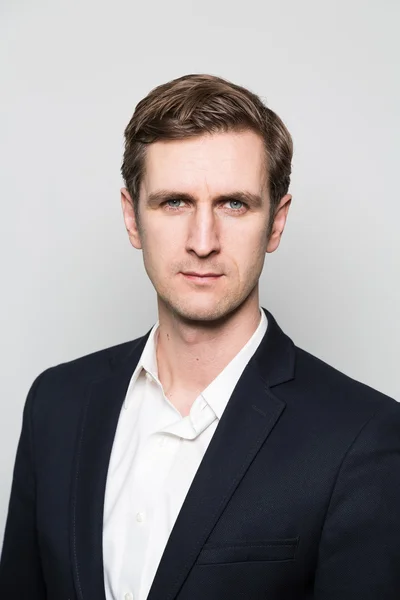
x,y
182,400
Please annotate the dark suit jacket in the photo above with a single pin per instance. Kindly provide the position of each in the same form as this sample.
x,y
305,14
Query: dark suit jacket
x,y
297,496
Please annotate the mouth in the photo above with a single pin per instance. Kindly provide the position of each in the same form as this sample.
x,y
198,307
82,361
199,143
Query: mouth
x,y
201,277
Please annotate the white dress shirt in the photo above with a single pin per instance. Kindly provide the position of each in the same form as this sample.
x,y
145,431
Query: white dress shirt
x,y
155,456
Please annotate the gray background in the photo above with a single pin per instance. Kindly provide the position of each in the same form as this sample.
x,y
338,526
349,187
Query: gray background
x,y
71,75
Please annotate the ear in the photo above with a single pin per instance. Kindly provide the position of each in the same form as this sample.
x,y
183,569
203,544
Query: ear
x,y
279,223
130,219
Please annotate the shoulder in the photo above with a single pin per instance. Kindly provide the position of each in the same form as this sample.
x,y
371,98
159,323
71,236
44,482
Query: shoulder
x,y
93,364
342,397
90,365
67,382
329,412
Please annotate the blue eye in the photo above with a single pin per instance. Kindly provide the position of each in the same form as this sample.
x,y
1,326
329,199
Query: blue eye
x,y
173,200
236,202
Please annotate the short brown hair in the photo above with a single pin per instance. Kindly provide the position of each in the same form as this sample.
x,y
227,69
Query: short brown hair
x,y
196,104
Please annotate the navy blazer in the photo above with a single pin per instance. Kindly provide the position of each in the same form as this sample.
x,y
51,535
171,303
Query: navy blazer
x,y
297,495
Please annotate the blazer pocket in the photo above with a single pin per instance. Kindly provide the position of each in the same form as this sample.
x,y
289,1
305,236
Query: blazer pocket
x,y
214,553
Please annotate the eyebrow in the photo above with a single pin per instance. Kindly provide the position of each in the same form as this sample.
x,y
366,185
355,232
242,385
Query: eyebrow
x,y
253,200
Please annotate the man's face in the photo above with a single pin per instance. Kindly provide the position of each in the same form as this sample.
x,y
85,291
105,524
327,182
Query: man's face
x,y
204,209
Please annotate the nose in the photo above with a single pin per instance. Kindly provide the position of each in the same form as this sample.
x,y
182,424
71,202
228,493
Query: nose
x,y
203,233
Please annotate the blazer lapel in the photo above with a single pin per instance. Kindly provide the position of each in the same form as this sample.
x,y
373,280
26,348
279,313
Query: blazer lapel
x,y
250,415
248,419
100,416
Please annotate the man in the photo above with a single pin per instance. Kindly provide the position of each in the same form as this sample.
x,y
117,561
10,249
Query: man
x,y
211,458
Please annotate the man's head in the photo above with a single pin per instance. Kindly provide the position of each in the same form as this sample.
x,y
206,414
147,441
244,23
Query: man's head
x,y
207,169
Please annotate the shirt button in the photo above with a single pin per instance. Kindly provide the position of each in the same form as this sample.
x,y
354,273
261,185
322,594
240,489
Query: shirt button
x,y
128,596
140,516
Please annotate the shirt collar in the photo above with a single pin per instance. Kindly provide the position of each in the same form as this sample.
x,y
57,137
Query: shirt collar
x,y
147,361
218,392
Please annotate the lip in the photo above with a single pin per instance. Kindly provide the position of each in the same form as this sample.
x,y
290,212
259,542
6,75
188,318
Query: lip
x,y
201,278
193,274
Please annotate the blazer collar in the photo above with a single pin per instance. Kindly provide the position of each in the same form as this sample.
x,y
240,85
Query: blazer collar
x,y
251,413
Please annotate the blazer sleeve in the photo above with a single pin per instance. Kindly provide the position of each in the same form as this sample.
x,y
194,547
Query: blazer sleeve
x,y
20,566
359,552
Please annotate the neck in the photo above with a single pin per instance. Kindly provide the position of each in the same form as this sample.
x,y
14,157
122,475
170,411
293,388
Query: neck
x,y
191,354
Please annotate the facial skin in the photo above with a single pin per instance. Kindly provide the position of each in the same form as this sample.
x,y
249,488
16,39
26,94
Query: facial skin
x,y
205,233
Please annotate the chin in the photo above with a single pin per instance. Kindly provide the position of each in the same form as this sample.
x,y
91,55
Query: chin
x,y
201,311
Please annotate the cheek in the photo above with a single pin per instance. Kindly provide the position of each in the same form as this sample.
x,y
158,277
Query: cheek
x,y
246,247
162,244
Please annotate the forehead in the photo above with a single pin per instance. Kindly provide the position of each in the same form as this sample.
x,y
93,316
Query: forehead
x,y
214,162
